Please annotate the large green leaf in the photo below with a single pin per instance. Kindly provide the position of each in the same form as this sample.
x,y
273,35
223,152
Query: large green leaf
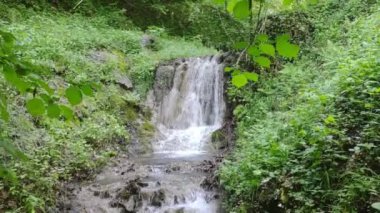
x,y
66,112
9,73
253,51
285,48
53,111
239,80
267,49
35,107
74,95
263,61
87,90
262,38
11,76
231,5
251,76
241,9
236,72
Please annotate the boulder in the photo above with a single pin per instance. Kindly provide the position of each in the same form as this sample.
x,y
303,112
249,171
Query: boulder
x,y
149,42
124,82
158,198
164,81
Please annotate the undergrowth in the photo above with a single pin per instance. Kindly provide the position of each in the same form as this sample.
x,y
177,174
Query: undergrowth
x,y
75,48
308,137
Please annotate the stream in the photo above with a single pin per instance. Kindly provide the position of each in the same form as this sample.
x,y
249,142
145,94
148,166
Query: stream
x,y
188,107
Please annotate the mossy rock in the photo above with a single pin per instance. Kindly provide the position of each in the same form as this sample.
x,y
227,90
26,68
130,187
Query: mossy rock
x,y
130,114
145,134
219,139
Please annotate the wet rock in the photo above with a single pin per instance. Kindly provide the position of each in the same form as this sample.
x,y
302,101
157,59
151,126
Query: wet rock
x,y
105,195
158,198
220,139
179,199
211,197
131,168
132,188
207,166
209,183
119,205
141,184
172,169
164,81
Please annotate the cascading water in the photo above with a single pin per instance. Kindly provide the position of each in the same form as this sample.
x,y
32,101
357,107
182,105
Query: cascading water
x,y
186,116
188,107
193,108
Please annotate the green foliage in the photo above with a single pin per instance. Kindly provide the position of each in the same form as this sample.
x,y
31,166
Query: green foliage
x,y
241,78
68,52
35,106
308,137
285,48
74,95
241,9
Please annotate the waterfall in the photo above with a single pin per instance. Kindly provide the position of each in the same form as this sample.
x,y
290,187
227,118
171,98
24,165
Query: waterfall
x,y
188,107
192,108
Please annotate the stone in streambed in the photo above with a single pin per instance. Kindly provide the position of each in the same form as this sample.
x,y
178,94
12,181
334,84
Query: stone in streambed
x,y
158,198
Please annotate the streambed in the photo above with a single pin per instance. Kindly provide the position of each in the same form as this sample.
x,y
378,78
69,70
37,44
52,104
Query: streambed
x,y
188,107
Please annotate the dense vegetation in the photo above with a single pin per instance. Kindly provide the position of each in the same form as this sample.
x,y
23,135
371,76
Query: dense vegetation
x,y
72,49
308,137
308,121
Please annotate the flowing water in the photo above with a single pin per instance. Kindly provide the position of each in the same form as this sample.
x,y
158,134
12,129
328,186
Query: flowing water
x,y
168,179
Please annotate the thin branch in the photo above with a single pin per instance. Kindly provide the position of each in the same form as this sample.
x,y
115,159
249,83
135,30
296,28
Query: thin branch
x,y
77,5
253,35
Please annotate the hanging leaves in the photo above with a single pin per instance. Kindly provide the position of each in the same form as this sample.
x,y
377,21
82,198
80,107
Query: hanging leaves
x,y
267,49
73,95
87,90
241,9
252,76
253,51
263,61
285,48
67,112
53,111
35,107
239,80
